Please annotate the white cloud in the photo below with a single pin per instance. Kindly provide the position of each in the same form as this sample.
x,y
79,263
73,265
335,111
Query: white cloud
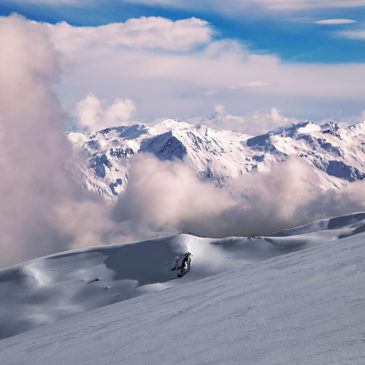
x,y
42,209
334,21
144,32
353,34
183,85
252,124
93,115
163,82
162,195
166,197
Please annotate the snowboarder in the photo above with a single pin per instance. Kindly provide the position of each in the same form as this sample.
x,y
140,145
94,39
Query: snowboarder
x,y
182,264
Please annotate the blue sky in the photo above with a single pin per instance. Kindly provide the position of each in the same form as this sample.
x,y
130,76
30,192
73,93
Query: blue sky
x,y
291,35
305,58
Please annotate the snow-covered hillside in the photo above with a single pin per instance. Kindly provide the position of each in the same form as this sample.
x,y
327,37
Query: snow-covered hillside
x,y
294,297
336,154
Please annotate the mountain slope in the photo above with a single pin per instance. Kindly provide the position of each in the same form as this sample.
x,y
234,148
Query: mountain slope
x,y
303,307
336,154
45,290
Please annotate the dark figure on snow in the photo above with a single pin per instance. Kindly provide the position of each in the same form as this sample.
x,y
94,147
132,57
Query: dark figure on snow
x,y
185,261
182,264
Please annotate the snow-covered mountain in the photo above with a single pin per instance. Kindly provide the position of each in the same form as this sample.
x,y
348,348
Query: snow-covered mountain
x,y
296,297
336,153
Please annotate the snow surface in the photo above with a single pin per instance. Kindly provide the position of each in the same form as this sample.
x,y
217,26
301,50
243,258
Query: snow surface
x,y
296,297
336,154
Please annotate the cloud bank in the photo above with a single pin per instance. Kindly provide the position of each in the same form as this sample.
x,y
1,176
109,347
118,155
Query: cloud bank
x,y
166,197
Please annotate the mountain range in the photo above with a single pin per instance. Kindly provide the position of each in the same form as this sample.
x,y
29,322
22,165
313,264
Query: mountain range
x,y
335,153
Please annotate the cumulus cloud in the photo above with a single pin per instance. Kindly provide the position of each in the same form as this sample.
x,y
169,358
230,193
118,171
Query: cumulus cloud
x,y
253,123
184,84
93,116
41,208
143,32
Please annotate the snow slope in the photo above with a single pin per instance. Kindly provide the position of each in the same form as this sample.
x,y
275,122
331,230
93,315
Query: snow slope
x,y
295,297
336,154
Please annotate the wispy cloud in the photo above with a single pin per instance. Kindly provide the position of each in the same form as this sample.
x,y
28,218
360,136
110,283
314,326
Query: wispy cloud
x,y
248,85
334,21
245,85
310,4
252,123
353,34
234,5
228,6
